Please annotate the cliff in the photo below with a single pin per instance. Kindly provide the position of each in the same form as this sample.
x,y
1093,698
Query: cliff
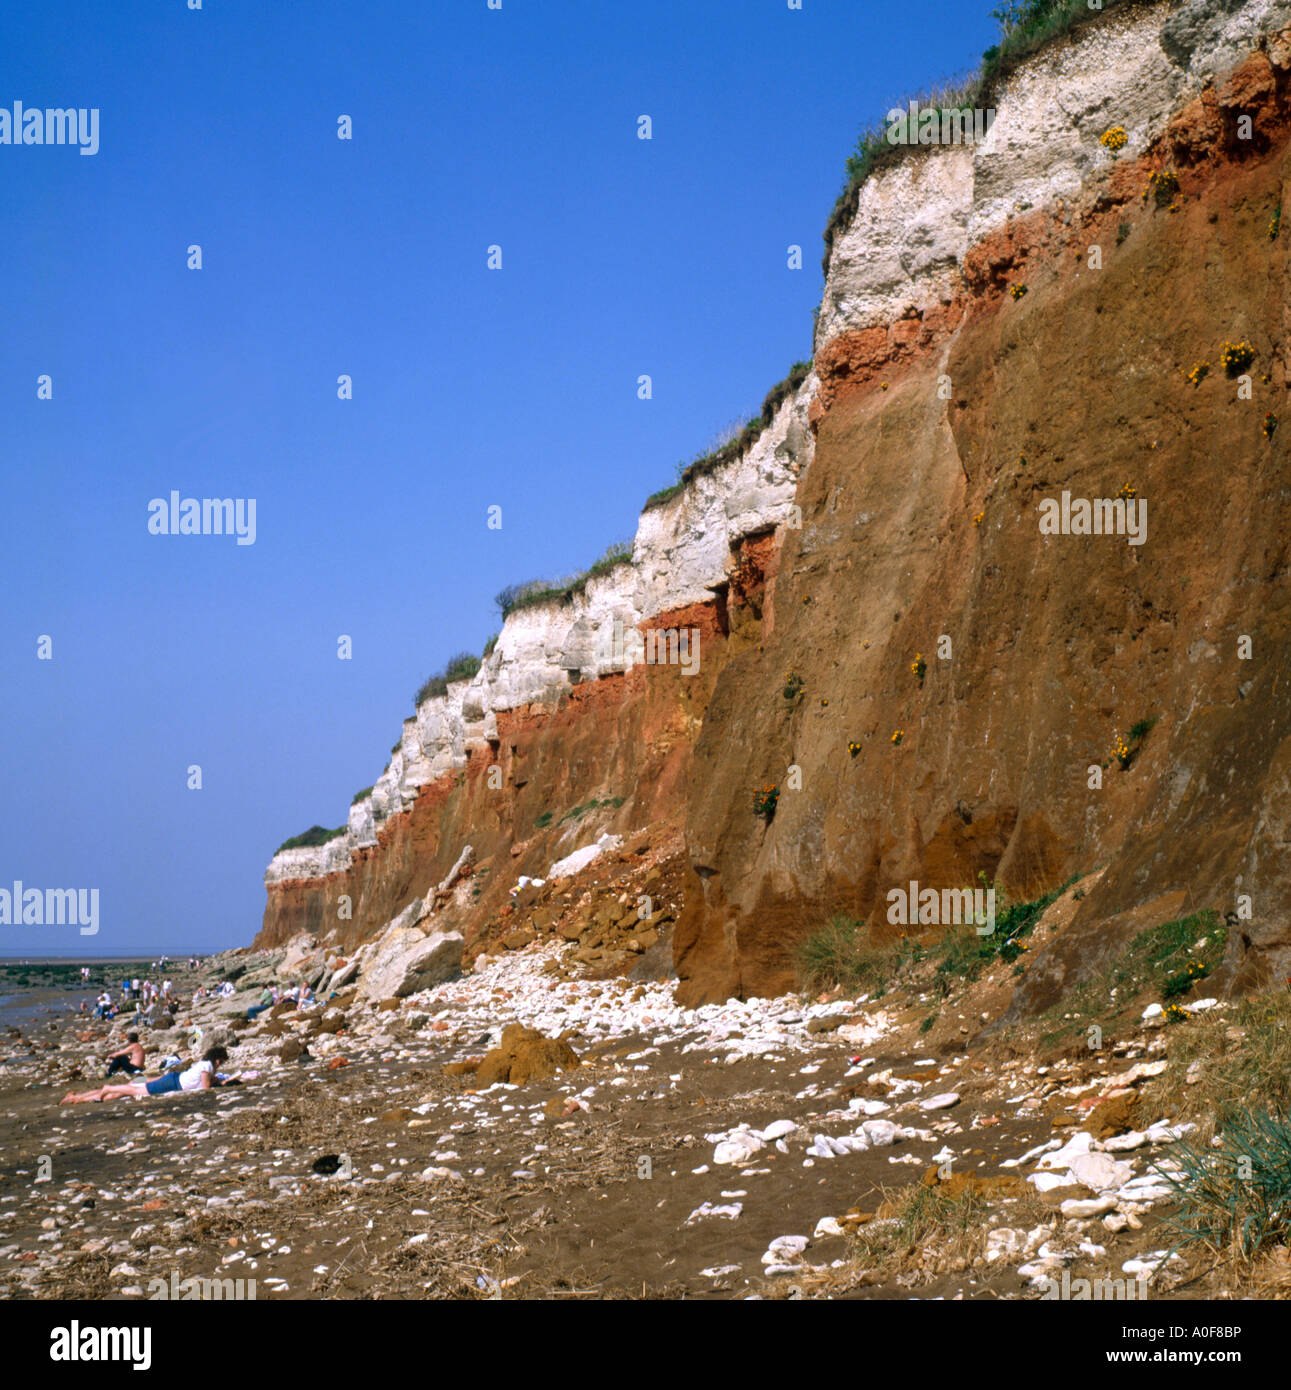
x,y
1001,324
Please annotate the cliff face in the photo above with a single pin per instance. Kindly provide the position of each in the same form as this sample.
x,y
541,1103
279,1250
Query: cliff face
x,y
948,410
944,408
594,699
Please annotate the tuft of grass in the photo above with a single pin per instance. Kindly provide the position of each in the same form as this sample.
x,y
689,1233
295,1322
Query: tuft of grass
x,y
459,668
1239,1059
490,645
360,795
610,802
539,591
925,1231
1236,1196
734,441
843,952
315,835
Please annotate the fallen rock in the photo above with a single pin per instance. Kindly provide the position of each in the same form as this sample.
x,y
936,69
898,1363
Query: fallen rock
x,y
522,1055
1113,1116
406,960
968,1184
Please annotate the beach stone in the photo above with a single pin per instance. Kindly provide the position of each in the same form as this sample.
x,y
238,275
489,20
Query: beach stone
x,y
741,1147
1099,1172
785,1250
880,1133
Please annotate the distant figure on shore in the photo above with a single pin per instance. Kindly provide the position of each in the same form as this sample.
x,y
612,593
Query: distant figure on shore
x,y
129,1059
199,1077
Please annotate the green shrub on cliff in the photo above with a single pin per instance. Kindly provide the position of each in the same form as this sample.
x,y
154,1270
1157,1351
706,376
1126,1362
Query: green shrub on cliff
x,y
315,835
459,668
536,591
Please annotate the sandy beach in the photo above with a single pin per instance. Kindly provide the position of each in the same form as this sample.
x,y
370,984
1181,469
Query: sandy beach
x,y
724,1152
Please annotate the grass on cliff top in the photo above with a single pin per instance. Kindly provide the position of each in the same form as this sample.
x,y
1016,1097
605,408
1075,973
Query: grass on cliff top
x,y
315,835
459,668
1026,26
735,441
537,591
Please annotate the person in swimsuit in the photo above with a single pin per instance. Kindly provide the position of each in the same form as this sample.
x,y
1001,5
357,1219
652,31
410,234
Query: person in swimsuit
x,y
129,1059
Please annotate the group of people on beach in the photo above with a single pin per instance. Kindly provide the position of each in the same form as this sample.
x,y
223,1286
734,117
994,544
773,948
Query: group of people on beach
x,y
149,1001
271,995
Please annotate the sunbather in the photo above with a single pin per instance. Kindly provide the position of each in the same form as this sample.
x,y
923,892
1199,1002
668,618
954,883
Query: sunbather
x,y
197,1078
129,1059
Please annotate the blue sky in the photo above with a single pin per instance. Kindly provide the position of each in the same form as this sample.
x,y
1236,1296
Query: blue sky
x,y
515,387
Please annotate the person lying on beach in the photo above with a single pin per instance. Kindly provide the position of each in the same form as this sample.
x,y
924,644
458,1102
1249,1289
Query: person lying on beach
x,y
196,1078
129,1059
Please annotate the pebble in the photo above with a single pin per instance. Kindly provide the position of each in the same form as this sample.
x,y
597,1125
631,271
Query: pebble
x,y
784,1250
